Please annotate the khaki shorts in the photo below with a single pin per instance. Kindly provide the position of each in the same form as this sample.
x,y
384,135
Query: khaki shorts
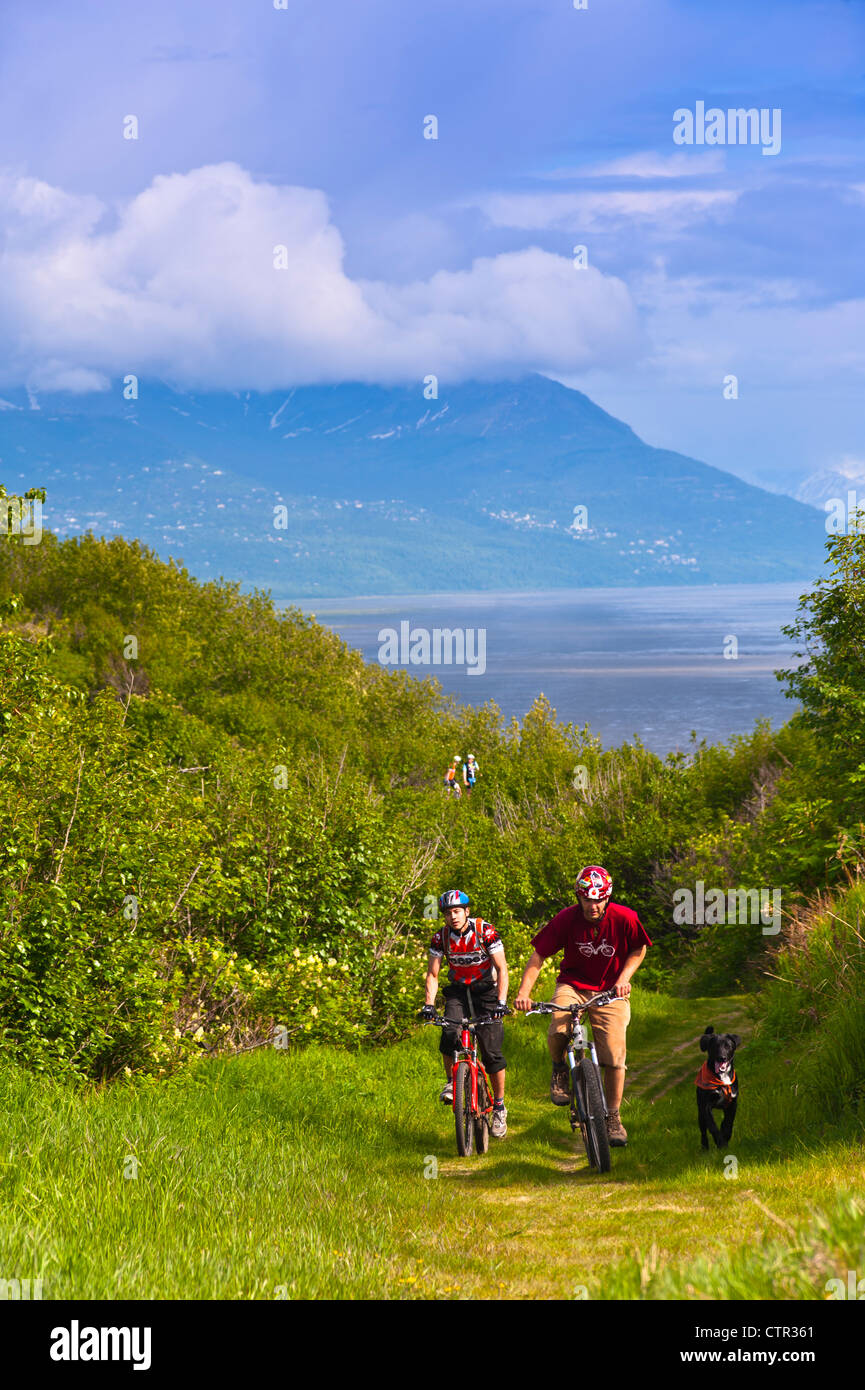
x,y
609,1026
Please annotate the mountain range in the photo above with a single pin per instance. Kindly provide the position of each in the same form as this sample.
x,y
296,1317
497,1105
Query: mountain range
x,y
363,489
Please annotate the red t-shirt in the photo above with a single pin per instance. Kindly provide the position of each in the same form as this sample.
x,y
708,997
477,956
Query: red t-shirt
x,y
595,952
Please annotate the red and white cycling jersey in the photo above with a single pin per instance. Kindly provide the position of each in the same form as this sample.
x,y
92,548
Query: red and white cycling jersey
x,y
469,953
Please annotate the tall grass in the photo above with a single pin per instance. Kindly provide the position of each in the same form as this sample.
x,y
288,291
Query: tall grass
x,y
831,1245
320,1174
817,996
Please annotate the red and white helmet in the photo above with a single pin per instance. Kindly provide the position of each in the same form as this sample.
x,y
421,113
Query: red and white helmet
x,y
594,882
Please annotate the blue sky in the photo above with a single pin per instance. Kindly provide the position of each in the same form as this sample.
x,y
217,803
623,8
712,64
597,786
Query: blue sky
x,y
304,127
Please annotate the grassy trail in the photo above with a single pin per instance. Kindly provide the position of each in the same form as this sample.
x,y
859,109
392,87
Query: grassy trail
x,y
311,1175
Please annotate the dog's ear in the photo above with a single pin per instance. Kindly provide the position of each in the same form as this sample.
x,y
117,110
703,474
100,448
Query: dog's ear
x,y
704,1041
735,1039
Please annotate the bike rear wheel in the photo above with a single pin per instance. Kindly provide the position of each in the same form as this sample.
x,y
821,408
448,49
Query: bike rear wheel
x,y
482,1122
586,1080
463,1116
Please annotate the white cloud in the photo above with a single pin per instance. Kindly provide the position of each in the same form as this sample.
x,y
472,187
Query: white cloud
x,y
586,212
57,376
649,165
182,284
38,216
528,306
770,335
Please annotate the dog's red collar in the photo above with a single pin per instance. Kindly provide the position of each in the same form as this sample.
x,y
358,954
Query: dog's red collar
x,y
707,1081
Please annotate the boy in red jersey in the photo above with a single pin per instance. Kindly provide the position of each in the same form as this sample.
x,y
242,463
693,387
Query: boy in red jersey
x,y
478,974
604,944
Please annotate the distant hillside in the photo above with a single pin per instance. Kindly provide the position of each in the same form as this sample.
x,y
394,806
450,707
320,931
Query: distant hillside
x,y
387,492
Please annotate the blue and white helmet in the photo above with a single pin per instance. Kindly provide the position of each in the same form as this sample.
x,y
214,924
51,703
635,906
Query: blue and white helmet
x,y
454,897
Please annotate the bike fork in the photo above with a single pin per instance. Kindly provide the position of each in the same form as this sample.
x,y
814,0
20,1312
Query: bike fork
x,y
473,1075
575,1090
601,1078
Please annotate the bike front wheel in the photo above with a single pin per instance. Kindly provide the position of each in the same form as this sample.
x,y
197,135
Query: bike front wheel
x,y
463,1116
586,1082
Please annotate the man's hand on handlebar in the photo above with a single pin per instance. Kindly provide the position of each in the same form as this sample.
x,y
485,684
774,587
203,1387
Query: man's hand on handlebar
x,y
523,1003
500,1009
427,1012
622,991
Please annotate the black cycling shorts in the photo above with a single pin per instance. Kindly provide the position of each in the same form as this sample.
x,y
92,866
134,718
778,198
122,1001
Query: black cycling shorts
x,y
484,998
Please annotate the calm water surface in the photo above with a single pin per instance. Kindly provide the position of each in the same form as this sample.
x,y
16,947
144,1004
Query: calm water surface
x,y
626,661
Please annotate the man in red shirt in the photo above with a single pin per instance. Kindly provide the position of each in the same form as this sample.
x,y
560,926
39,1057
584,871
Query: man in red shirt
x,y
604,943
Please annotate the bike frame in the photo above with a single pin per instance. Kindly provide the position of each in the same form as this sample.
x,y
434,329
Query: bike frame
x,y
579,1044
468,1052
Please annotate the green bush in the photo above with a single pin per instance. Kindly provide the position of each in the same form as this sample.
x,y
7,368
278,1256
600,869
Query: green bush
x,y
232,824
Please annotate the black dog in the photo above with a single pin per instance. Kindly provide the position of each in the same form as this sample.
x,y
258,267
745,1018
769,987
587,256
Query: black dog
x,y
717,1087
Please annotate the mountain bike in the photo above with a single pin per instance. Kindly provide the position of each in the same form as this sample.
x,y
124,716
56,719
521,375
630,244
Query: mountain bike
x,y
473,1096
588,1106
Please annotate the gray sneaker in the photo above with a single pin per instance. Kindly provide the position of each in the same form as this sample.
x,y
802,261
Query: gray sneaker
x,y
447,1093
499,1126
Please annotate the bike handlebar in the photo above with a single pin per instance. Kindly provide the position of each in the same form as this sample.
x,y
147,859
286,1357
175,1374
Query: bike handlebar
x,y
440,1022
605,997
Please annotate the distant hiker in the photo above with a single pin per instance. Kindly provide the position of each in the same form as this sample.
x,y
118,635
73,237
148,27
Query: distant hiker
x,y
470,771
478,974
604,944
451,776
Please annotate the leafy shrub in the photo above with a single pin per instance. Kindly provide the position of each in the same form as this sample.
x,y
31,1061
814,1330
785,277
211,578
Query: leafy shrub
x,y
242,828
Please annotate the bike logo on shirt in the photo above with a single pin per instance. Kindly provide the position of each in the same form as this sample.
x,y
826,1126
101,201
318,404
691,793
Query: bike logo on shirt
x,y
605,949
